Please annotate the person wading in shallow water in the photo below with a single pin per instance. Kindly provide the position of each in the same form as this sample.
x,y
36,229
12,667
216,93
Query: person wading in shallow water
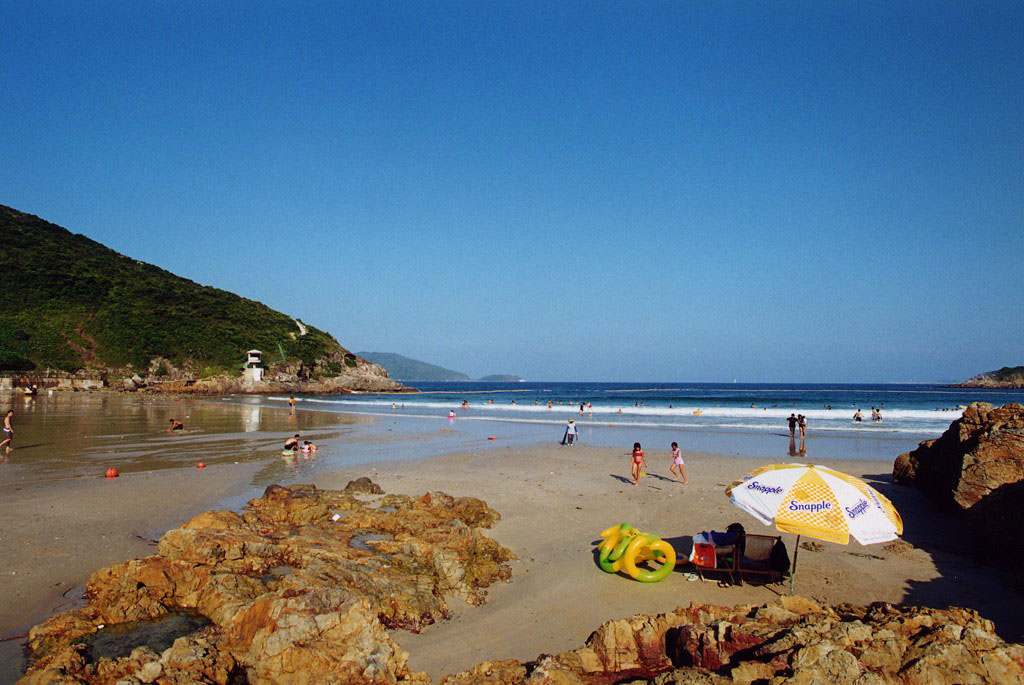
x,y
792,425
8,431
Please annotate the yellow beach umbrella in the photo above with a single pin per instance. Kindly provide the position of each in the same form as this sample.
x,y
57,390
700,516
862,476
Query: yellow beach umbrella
x,y
818,502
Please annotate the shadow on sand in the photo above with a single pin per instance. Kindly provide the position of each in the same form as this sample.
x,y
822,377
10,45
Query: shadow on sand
x,y
965,579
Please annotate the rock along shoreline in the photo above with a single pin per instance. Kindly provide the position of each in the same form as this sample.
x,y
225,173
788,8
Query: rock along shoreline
x,y
302,585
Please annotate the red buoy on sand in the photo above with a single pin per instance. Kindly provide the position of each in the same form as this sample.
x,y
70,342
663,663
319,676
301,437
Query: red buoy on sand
x,y
201,465
112,472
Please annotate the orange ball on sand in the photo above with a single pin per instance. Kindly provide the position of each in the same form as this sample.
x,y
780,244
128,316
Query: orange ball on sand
x,y
112,473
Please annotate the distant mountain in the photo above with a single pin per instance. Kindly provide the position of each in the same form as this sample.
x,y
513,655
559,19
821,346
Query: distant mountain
x,y
502,378
1006,377
70,303
406,369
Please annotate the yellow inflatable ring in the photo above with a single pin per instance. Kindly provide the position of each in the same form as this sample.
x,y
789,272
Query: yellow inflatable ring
x,y
643,550
617,538
624,547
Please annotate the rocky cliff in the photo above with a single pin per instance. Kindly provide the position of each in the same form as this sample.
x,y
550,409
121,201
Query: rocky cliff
x,y
977,468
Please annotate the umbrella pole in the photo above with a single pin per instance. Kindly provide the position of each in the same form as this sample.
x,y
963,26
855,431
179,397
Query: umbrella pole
x,y
792,571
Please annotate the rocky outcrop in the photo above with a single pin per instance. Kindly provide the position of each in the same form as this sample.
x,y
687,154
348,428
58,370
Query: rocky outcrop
x,y
335,374
299,587
791,639
227,385
976,467
1006,377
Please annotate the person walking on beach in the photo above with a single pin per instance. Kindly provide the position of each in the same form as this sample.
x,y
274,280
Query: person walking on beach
x,y
8,431
291,404
801,421
677,463
570,433
637,460
792,424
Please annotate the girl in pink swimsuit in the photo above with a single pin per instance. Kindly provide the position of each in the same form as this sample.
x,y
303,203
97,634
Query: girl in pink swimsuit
x,y
636,461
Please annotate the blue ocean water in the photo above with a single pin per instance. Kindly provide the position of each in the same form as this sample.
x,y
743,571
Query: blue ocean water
x,y
922,410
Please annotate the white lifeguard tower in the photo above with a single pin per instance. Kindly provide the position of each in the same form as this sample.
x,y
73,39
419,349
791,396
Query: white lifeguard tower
x,y
253,367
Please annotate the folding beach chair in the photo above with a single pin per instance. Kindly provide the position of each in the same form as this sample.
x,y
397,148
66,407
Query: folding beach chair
x,y
756,557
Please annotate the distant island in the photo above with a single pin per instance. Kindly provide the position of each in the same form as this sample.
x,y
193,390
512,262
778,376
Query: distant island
x,y
404,368
79,315
1006,377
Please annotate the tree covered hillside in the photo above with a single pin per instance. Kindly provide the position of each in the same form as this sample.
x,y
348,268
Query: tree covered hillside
x,y
71,303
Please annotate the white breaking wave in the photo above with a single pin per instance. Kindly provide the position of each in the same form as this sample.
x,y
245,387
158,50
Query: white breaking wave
x,y
843,414
910,421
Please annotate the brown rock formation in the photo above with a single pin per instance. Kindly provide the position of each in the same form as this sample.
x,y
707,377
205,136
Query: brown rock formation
x,y
298,588
977,467
293,590
789,640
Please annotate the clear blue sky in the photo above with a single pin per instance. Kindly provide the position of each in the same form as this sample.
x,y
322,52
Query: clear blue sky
x,y
795,191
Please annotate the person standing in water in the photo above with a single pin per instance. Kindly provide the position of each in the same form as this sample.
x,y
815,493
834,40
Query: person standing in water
x,y
793,420
802,423
677,463
858,417
8,431
291,404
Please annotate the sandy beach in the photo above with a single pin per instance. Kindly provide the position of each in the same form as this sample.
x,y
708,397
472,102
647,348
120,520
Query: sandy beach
x,y
554,501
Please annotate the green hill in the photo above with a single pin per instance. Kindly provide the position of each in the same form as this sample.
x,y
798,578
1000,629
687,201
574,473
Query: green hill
x,y
406,369
1006,377
70,303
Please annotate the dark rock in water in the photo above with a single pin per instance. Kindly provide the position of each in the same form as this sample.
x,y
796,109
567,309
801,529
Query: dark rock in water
x,y
791,640
364,485
284,592
976,467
